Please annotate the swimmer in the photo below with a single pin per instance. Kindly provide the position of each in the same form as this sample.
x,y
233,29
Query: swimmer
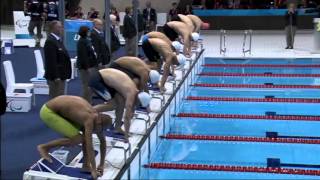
x,y
154,49
70,115
198,23
174,29
185,19
119,92
176,45
137,70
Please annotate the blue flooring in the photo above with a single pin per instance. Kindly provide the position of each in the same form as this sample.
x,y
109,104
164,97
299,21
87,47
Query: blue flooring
x,y
22,132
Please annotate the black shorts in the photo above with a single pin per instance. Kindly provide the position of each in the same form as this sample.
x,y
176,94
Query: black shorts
x,y
170,33
149,51
97,84
115,65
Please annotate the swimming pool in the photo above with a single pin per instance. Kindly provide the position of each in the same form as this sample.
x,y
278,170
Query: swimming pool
x,y
230,132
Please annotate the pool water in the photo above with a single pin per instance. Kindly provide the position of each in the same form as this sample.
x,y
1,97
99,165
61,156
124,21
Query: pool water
x,y
244,153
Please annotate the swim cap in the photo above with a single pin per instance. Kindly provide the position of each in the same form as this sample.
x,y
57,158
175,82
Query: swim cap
x,y
144,99
154,76
195,36
181,59
205,26
177,45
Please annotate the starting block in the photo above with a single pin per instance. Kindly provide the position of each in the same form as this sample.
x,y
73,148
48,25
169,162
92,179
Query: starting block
x,y
56,170
40,86
18,102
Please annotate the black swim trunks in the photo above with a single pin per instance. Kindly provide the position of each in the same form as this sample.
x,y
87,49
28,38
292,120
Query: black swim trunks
x,y
115,65
99,87
170,33
149,51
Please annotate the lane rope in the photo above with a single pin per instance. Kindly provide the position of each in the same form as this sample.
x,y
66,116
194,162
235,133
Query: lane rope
x,y
236,99
250,117
258,86
257,75
241,139
253,169
266,65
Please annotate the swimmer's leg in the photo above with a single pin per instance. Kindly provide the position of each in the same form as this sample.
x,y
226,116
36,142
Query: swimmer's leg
x,y
45,148
120,103
86,165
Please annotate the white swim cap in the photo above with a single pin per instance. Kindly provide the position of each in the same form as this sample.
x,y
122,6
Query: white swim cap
x,y
177,45
154,76
181,59
195,36
144,99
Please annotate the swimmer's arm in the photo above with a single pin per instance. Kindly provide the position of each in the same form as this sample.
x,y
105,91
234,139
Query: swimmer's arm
x,y
143,86
103,145
187,44
89,146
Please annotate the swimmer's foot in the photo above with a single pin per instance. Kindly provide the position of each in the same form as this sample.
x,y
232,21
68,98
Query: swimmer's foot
x,y
86,168
119,131
125,135
44,153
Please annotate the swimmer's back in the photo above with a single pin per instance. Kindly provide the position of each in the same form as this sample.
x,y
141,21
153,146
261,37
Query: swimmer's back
x,y
73,108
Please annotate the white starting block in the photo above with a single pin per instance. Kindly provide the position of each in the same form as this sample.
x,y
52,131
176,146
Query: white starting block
x,y
19,102
40,86
56,170
39,83
74,72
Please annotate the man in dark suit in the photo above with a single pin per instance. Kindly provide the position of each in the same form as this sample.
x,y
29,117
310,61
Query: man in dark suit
x,y
100,46
57,62
115,42
130,33
150,17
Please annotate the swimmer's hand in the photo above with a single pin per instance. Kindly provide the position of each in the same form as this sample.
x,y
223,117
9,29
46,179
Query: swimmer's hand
x,y
100,170
44,153
174,75
126,137
163,89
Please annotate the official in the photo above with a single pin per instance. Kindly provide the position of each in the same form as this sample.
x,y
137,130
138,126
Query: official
x,y
130,33
100,46
86,62
57,62
150,17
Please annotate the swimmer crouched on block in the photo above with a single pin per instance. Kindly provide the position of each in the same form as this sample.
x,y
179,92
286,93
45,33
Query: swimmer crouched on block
x,y
70,115
119,92
137,70
198,23
154,49
174,29
175,45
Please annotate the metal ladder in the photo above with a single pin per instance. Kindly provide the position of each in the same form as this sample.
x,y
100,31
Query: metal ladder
x,y
223,34
245,37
